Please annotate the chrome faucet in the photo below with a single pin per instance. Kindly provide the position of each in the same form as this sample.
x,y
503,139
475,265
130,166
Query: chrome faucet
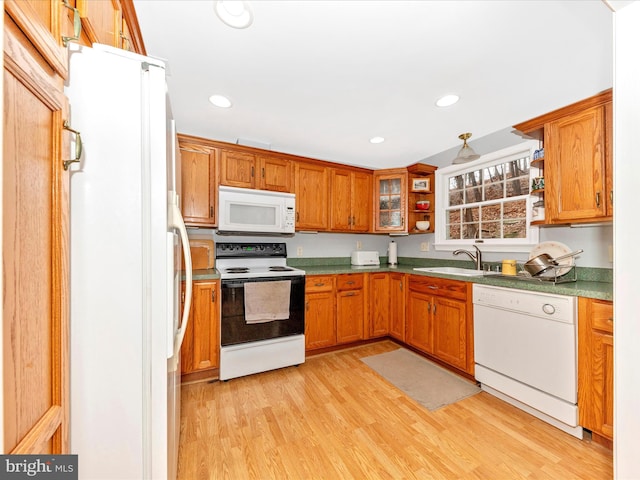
x,y
477,258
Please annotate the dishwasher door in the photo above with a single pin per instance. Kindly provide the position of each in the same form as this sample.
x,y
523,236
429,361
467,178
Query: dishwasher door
x,y
537,352
525,346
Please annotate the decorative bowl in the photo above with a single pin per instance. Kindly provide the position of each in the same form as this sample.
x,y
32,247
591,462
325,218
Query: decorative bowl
x,y
423,205
423,225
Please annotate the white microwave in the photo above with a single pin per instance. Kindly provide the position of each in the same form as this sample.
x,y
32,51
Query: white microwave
x,y
243,210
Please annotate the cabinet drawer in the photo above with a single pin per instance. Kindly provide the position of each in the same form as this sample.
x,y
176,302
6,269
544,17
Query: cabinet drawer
x,y
602,318
319,283
438,286
350,281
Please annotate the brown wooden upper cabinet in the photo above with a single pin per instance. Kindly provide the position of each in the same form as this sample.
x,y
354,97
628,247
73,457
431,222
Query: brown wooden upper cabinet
x,y
251,170
577,160
390,200
312,196
110,22
199,184
350,200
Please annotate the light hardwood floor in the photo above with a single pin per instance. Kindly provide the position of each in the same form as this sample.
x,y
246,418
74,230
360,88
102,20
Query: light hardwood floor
x,y
335,418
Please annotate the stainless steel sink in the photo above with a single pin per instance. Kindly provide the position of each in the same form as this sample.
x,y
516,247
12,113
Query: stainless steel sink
x,y
465,272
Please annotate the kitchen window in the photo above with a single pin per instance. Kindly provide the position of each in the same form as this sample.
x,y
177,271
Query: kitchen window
x,y
486,202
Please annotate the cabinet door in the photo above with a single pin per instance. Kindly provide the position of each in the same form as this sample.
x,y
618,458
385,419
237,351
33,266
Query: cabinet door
x,y
608,158
595,366
390,191
397,306
340,210
237,169
361,211
101,21
350,316
312,195
320,320
201,347
198,185
379,295
450,331
41,21
275,174
575,166
35,232
419,321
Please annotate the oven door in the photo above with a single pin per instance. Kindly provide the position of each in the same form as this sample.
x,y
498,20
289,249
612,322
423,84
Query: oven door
x,y
235,330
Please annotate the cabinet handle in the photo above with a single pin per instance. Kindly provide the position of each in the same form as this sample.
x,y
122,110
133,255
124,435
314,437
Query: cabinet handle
x,y
350,282
77,25
253,172
434,308
611,197
319,284
433,287
262,172
598,199
297,216
182,296
211,211
402,221
400,286
66,163
306,306
213,296
350,294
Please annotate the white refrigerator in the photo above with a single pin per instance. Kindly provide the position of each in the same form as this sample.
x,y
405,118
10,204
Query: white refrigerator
x,y
126,242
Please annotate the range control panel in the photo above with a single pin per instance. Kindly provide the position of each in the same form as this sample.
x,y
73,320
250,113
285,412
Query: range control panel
x,y
251,250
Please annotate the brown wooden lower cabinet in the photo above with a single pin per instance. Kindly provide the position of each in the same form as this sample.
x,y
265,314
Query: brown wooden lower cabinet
x,y
350,308
379,304
201,347
440,320
595,367
397,302
320,311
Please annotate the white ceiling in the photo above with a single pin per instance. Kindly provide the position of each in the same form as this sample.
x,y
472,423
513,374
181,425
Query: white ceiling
x,y
319,78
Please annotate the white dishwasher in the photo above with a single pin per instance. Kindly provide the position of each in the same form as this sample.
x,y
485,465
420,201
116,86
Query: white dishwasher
x,y
526,352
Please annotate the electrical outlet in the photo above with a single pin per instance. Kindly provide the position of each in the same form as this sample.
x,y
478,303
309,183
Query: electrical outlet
x,y
358,245
424,247
299,251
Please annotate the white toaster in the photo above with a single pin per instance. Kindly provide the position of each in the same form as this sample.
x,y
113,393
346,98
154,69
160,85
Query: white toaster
x,y
362,257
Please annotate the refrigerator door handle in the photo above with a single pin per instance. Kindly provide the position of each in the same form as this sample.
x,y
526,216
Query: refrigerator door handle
x,y
176,221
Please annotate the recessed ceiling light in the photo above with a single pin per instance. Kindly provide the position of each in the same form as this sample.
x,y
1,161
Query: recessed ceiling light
x,y
220,101
447,100
376,139
236,14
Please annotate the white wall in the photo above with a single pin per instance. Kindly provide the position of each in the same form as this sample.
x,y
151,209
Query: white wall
x,y
595,240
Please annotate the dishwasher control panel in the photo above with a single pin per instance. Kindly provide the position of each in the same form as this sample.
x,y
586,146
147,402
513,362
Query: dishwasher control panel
x,y
560,308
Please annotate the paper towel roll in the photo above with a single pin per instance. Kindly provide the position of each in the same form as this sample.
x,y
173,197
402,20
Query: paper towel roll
x,y
393,253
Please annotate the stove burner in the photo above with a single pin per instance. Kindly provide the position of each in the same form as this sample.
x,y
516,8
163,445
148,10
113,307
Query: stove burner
x,y
280,269
237,270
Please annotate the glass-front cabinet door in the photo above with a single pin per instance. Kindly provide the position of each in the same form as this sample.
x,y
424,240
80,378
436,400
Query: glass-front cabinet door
x,y
390,187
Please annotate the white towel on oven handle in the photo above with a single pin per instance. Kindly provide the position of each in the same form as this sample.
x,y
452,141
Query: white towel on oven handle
x,y
266,301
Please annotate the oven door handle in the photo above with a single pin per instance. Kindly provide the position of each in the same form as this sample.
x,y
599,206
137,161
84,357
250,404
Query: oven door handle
x,y
176,221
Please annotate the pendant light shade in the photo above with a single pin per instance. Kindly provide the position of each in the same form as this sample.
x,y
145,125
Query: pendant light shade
x,y
466,153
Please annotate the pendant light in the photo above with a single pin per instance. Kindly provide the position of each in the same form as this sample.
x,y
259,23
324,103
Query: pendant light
x,y
466,153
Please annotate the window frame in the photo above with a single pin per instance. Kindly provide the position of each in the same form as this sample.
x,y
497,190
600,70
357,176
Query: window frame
x,y
490,244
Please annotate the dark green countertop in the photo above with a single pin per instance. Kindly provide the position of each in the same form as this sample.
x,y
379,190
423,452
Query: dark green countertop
x,y
591,283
